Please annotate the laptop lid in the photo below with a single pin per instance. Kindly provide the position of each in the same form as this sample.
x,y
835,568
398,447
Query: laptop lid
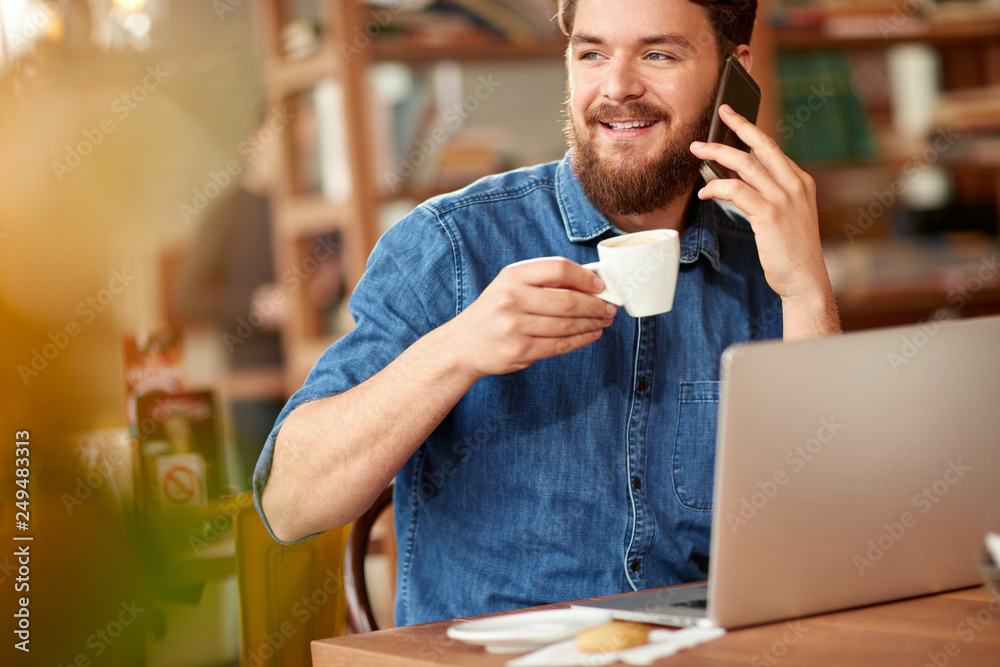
x,y
854,469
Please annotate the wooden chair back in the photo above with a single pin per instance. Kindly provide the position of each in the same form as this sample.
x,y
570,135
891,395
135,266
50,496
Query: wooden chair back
x,y
289,594
360,615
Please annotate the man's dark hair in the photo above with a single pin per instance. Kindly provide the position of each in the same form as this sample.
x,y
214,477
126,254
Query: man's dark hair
x,y
732,20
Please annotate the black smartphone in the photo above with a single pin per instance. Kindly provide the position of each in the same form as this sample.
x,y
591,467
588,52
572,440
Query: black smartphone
x,y
737,89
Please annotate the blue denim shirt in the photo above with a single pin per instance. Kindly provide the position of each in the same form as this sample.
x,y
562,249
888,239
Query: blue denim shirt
x,y
584,474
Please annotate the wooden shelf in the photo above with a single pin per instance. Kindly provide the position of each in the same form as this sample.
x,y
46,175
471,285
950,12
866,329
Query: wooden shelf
x,y
313,215
288,76
900,281
409,51
298,217
870,36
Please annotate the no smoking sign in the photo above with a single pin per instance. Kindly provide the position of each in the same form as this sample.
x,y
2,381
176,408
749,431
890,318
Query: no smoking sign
x,y
181,479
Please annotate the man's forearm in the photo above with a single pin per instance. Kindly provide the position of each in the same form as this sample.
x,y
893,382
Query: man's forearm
x,y
333,456
810,316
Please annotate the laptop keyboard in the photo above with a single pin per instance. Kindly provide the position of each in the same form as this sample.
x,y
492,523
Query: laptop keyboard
x,y
693,604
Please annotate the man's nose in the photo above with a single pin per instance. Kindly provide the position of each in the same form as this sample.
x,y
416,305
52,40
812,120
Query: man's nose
x,y
623,82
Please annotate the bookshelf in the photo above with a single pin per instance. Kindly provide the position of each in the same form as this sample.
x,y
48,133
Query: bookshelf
x,y
907,264
965,45
442,128
355,38
866,34
391,50
319,57
323,201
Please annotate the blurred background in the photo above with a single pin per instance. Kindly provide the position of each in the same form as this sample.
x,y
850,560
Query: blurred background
x,y
189,190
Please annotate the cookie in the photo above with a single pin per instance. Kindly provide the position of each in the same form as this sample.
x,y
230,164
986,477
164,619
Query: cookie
x,y
613,636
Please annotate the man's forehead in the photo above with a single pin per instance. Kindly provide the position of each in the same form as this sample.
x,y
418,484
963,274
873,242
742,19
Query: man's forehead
x,y
679,23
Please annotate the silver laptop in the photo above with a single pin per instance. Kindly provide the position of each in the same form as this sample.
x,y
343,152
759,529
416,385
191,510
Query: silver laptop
x,y
850,470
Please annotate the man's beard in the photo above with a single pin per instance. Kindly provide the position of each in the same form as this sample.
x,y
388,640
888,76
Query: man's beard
x,y
625,183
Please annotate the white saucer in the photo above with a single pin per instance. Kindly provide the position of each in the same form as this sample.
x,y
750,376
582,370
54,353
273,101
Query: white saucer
x,y
527,631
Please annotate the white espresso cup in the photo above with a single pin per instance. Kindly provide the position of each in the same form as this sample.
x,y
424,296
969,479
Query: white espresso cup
x,y
639,270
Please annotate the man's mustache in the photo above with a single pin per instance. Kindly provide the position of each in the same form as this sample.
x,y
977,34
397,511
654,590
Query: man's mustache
x,y
606,113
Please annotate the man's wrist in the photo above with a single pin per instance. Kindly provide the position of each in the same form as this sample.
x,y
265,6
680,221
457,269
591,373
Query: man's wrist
x,y
810,313
441,348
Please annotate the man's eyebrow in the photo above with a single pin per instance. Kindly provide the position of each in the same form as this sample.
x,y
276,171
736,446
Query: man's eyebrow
x,y
659,39
669,39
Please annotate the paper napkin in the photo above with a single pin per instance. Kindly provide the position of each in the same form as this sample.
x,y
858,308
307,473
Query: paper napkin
x,y
993,546
662,643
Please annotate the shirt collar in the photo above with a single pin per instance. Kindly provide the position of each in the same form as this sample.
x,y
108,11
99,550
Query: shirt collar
x,y
583,222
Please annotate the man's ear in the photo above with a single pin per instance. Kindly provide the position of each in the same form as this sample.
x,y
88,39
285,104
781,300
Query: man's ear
x,y
743,54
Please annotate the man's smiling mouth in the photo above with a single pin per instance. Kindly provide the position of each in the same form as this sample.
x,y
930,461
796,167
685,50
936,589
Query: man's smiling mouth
x,y
629,124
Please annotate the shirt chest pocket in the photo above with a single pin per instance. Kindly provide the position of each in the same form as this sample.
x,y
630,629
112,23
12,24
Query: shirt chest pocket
x,y
693,465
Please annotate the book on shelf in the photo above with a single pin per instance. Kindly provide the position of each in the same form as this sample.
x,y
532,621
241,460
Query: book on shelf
x,y
422,137
823,117
468,155
495,17
452,22
970,110
972,117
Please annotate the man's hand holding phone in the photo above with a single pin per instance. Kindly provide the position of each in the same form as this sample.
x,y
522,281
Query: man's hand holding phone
x,y
779,199
738,90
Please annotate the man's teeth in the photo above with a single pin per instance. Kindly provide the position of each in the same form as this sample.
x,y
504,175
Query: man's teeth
x,y
628,125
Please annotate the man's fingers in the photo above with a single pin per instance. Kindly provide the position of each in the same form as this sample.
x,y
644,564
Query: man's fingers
x,y
555,272
563,327
764,148
551,347
748,199
532,310
750,170
560,302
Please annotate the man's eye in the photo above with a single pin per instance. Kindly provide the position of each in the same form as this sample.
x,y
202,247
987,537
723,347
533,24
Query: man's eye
x,y
660,56
590,55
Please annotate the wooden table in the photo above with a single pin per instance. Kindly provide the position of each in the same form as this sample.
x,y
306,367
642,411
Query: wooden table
x,y
950,629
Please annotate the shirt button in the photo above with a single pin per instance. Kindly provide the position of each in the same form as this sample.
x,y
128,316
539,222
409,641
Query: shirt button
x,y
635,566
636,482
643,385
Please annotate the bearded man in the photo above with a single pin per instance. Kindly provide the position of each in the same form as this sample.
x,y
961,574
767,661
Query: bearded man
x,y
543,447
